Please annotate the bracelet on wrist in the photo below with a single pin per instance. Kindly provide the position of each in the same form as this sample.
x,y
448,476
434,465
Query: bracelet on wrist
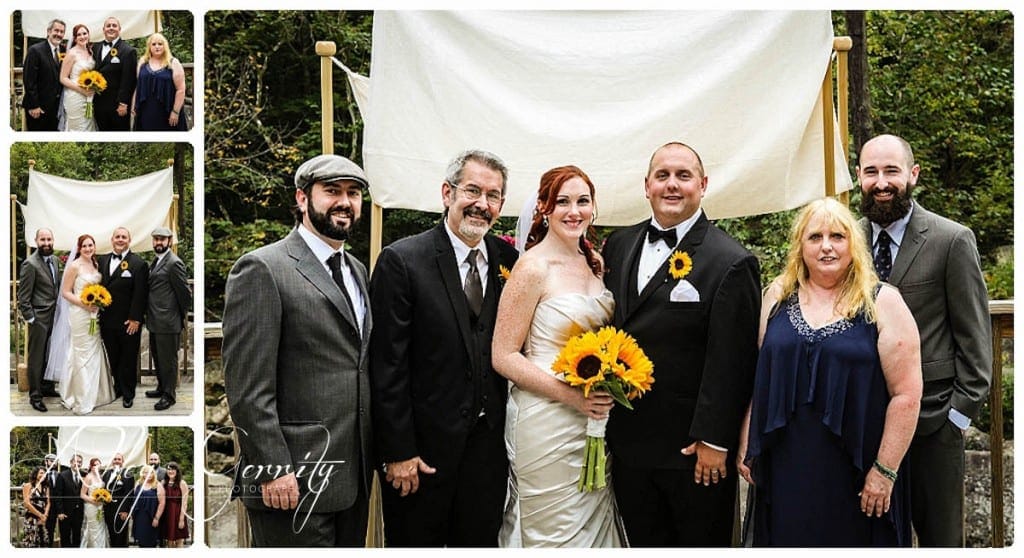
x,y
886,472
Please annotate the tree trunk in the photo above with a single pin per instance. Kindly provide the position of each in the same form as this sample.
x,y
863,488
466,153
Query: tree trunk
x,y
860,94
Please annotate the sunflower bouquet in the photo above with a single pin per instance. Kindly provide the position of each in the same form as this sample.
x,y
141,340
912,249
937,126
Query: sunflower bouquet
x,y
609,360
94,82
95,295
101,496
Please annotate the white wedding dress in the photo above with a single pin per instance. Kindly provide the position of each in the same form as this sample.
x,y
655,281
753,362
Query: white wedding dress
x,y
545,442
89,384
94,530
74,102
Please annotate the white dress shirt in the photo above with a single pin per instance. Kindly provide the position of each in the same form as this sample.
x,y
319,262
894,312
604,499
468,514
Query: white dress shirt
x,y
323,252
653,254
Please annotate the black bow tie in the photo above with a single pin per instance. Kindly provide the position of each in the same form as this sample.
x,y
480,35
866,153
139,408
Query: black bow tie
x,y
116,256
108,43
655,234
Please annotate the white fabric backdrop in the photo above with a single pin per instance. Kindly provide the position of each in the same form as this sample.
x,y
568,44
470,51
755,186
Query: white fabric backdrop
x,y
102,442
601,90
134,23
74,207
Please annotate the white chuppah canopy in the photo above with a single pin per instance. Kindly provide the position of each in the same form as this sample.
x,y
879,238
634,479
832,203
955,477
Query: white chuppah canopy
x,y
74,207
601,90
102,442
134,23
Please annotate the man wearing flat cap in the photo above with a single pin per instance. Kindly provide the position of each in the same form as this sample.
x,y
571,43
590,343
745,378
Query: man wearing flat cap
x,y
296,336
167,307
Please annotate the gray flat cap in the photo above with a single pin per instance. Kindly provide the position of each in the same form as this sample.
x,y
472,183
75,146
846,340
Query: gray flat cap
x,y
51,456
327,169
162,231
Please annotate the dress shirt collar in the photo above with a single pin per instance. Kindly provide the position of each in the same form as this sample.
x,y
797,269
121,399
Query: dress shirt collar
x,y
896,229
320,249
462,249
681,228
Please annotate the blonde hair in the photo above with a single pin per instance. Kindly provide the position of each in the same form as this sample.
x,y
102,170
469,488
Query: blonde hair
x,y
167,49
148,476
857,291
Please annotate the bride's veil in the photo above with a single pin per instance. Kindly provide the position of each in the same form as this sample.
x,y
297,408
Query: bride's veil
x,y
525,221
60,337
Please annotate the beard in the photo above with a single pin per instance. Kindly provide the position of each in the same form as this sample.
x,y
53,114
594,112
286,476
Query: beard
x,y
46,250
884,213
471,230
159,249
324,225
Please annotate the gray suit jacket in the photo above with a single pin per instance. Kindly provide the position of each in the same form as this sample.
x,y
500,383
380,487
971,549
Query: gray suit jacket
x,y
37,289
169,299
295,370
938,272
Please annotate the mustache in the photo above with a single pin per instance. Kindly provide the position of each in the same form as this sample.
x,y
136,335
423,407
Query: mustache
x,y
345,211
476,212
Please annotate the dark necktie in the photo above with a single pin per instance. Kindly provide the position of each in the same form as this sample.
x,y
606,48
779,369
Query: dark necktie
x,y
334,263
53,272
56,57
474,288
655,234
883,256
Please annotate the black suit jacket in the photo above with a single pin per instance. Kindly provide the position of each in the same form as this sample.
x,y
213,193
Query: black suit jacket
x,y
120,487
704,353
67,497
430,370
128,286
120,75
42,83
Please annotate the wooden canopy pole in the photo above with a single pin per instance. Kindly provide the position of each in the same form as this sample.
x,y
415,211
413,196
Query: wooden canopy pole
x,y
842,46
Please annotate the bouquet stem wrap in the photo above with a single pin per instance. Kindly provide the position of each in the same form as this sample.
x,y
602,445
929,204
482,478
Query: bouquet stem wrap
x,y
594,457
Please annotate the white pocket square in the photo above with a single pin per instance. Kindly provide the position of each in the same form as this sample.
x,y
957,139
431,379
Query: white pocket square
x,y
126,273
684,292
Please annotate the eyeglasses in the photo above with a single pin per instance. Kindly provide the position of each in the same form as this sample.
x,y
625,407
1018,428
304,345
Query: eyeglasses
x,y
473,193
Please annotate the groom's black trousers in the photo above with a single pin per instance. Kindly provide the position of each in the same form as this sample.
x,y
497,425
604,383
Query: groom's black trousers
x,y
123,352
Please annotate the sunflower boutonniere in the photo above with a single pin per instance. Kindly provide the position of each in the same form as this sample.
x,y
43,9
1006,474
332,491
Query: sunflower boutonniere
x,y
679,264
113,53
124,265
503,274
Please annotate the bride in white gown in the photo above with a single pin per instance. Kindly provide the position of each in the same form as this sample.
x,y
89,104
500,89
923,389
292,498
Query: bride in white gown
x,y
94,529
87,383
78,59
555,292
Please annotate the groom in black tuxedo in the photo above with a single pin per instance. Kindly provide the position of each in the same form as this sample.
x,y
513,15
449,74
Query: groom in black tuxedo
x,y
116,60
126,276
674,455
120,482
438,406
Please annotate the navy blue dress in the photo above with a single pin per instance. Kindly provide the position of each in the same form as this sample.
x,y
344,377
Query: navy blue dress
x,y
816,425
146,503
154,100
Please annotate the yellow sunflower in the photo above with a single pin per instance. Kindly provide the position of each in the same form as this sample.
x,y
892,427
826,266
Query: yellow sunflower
x,y
582,361
504,273
93,81
679,264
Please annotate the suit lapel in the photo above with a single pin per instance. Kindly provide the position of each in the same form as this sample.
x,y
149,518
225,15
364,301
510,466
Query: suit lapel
x,y
448,269
630,263
309,267
913,240
364,291
689,243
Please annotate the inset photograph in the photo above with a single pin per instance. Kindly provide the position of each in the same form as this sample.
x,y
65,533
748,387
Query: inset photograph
x,y
102,264
101,486
102,70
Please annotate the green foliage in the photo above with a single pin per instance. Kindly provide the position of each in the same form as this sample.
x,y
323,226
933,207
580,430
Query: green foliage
x,y
943,80
767,236
999,276
984,422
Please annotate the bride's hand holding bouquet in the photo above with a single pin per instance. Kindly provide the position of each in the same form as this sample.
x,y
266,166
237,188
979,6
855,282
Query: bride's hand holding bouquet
x,y
95,297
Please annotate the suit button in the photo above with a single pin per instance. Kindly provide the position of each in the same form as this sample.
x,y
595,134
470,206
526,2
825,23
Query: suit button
x,y
361,411
464,413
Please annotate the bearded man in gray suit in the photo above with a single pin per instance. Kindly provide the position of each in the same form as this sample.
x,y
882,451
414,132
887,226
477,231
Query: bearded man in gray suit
x,y
166,309
38,289
934,263
296,336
